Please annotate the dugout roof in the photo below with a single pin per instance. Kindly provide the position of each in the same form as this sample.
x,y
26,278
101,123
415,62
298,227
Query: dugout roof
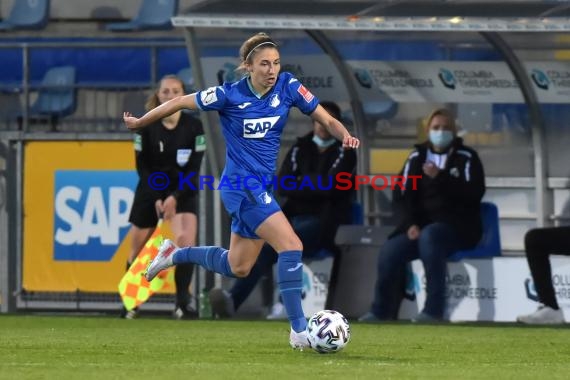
x,y
505,15
504,24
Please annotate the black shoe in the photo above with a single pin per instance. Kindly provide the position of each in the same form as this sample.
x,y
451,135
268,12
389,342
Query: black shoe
x,y
184,312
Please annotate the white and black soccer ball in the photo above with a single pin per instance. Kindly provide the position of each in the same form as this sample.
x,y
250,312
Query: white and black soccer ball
x,y
328,331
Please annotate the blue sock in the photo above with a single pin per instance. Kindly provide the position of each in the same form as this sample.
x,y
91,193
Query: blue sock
x,y
290,280
211,258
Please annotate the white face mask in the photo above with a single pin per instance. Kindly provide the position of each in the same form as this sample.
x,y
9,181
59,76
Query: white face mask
x,y
323,143
440,138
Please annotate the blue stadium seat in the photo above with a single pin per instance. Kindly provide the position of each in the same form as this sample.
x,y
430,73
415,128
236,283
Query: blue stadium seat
x,y
27,14
490,244
152,15
56,96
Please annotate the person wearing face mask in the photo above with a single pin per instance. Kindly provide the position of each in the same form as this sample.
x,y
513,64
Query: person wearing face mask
x,y
438,218
314,213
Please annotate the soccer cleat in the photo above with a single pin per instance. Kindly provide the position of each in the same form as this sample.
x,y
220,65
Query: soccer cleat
x,y
222,303
277,312
299,340
162,260
544,315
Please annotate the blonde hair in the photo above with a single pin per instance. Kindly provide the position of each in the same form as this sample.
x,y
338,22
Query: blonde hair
x,y
152,101
251,46
441,112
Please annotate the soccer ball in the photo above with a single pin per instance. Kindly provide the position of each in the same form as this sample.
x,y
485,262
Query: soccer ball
x,y
328,331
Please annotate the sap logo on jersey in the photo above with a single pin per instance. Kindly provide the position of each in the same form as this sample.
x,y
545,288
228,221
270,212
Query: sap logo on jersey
x,y
91,213
257,128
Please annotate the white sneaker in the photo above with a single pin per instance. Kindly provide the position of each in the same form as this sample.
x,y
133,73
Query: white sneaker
x,y
544,315
162,260
277,311
299,340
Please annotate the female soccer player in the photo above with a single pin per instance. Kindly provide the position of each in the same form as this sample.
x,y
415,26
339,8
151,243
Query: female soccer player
x,y
253,112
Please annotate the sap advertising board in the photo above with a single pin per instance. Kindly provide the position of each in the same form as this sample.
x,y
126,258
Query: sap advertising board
x,y
76,209
91,213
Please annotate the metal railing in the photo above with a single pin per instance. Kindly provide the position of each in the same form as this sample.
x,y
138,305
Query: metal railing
x,y
98,102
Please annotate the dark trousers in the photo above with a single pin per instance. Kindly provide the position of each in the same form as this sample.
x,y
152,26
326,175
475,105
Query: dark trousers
x,y
539,244
436,242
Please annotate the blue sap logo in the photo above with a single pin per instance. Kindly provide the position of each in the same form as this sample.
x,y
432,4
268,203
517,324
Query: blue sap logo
x,y
91,213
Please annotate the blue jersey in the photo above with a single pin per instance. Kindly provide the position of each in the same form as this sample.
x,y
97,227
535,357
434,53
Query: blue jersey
x,y
252,126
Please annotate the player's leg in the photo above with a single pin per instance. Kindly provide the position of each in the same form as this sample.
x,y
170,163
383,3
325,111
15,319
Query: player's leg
x,y
184,226
277,231
225,303
236,262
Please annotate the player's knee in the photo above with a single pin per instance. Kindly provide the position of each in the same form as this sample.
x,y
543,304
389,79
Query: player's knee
x,y
293,244
241,270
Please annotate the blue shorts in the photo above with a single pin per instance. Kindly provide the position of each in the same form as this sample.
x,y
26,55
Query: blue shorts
x,y
248,209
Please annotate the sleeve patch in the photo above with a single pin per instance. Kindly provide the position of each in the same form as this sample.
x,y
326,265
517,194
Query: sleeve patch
x,y
208,96
305,93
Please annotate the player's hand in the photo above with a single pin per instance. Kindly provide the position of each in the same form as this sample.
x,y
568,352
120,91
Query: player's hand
x,y
350,142
131,122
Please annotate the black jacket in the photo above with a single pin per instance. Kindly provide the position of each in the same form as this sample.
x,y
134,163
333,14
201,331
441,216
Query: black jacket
x,y
175,152
453,196
304,162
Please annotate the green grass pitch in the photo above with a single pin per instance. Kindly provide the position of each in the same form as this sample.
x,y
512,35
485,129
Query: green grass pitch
x,y
101,347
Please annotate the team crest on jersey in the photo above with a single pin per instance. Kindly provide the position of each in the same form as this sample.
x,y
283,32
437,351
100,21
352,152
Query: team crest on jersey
x,y
258,128
208,96
274,102
305,93
265,198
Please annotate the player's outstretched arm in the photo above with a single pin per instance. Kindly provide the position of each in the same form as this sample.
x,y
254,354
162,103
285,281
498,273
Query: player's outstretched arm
x,y
335,128
160,112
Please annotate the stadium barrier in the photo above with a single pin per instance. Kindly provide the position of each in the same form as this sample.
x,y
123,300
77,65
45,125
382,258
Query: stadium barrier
x,y
494,289
479,289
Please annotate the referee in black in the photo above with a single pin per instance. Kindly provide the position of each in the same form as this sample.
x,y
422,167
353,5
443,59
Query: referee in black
x,y
167,150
